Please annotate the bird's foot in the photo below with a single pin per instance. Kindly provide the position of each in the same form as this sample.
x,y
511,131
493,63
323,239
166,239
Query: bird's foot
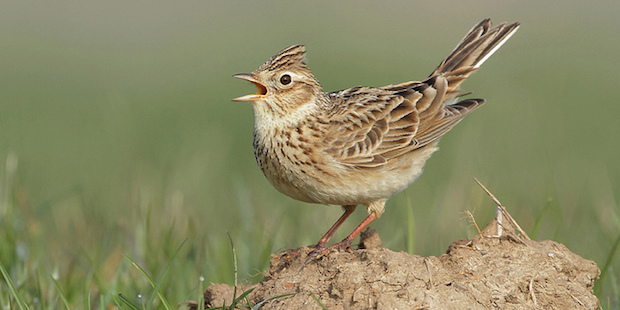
x,y
319,250
344,245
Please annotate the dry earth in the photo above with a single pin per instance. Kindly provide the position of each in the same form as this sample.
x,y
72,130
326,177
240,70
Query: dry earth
x,y
505,272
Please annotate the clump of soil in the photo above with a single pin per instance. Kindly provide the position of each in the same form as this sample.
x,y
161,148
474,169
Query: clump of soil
x,y
505,272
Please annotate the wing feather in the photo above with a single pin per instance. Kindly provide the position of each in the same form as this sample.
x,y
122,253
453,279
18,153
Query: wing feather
x,y
369,123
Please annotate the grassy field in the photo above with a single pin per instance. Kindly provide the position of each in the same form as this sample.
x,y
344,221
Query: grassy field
x,y
124,161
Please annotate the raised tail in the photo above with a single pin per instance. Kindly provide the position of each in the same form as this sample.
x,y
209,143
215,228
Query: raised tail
x,y
439,116
473,50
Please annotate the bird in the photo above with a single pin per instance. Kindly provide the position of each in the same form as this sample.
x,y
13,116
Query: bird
x,y
358,146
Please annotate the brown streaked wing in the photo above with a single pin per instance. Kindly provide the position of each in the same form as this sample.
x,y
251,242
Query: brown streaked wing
x,y
370,126
358,125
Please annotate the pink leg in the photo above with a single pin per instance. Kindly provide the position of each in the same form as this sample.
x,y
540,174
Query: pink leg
x,y
344,244
347,211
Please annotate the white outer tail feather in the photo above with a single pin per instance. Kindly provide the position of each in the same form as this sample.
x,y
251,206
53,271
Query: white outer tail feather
x,y
479,63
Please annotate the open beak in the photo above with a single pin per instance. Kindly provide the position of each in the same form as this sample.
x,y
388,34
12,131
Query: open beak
x,y
262,90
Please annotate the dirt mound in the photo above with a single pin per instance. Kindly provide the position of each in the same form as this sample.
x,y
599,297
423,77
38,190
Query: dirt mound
x,y
505,272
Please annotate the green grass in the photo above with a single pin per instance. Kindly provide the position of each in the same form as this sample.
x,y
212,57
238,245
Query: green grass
x,y
123,164
13,292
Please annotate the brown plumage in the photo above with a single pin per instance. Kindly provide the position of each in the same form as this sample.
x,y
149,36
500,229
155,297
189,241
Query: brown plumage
x,y
359,145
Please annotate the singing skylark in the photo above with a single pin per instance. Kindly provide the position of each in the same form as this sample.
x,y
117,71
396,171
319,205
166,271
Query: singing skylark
x,y
359,145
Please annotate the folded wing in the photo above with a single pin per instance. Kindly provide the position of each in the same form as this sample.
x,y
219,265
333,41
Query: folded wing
x,y
371,126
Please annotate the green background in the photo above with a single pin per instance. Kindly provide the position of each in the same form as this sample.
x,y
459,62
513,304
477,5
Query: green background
x,y
118,137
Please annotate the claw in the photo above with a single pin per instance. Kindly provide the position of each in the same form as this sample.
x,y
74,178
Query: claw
x,y
317,251
344,245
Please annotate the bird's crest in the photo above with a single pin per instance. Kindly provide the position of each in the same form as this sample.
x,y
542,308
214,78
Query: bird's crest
x,y
293,56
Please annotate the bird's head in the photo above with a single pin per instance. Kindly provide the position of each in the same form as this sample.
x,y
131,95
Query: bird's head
x,y
284,83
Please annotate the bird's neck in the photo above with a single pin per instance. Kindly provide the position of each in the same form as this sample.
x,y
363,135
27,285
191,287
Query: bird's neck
x,y
268,119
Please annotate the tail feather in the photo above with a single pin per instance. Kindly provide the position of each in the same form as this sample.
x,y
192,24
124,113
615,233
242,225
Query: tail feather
x,y
473,50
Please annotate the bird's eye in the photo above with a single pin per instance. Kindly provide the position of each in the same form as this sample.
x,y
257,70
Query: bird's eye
x,y
285,79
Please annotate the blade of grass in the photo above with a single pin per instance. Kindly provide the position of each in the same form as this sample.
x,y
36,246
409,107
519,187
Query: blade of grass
x,y
234,303
234,253
605,269
318,301
162,277
62,295
200,289
39,290
157,285
238,299
127,302
148,278
115,300
234,295
22,305
235,267
201,296
247,300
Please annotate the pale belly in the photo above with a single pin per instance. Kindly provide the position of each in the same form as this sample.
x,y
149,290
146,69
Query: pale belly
x,y
339,184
